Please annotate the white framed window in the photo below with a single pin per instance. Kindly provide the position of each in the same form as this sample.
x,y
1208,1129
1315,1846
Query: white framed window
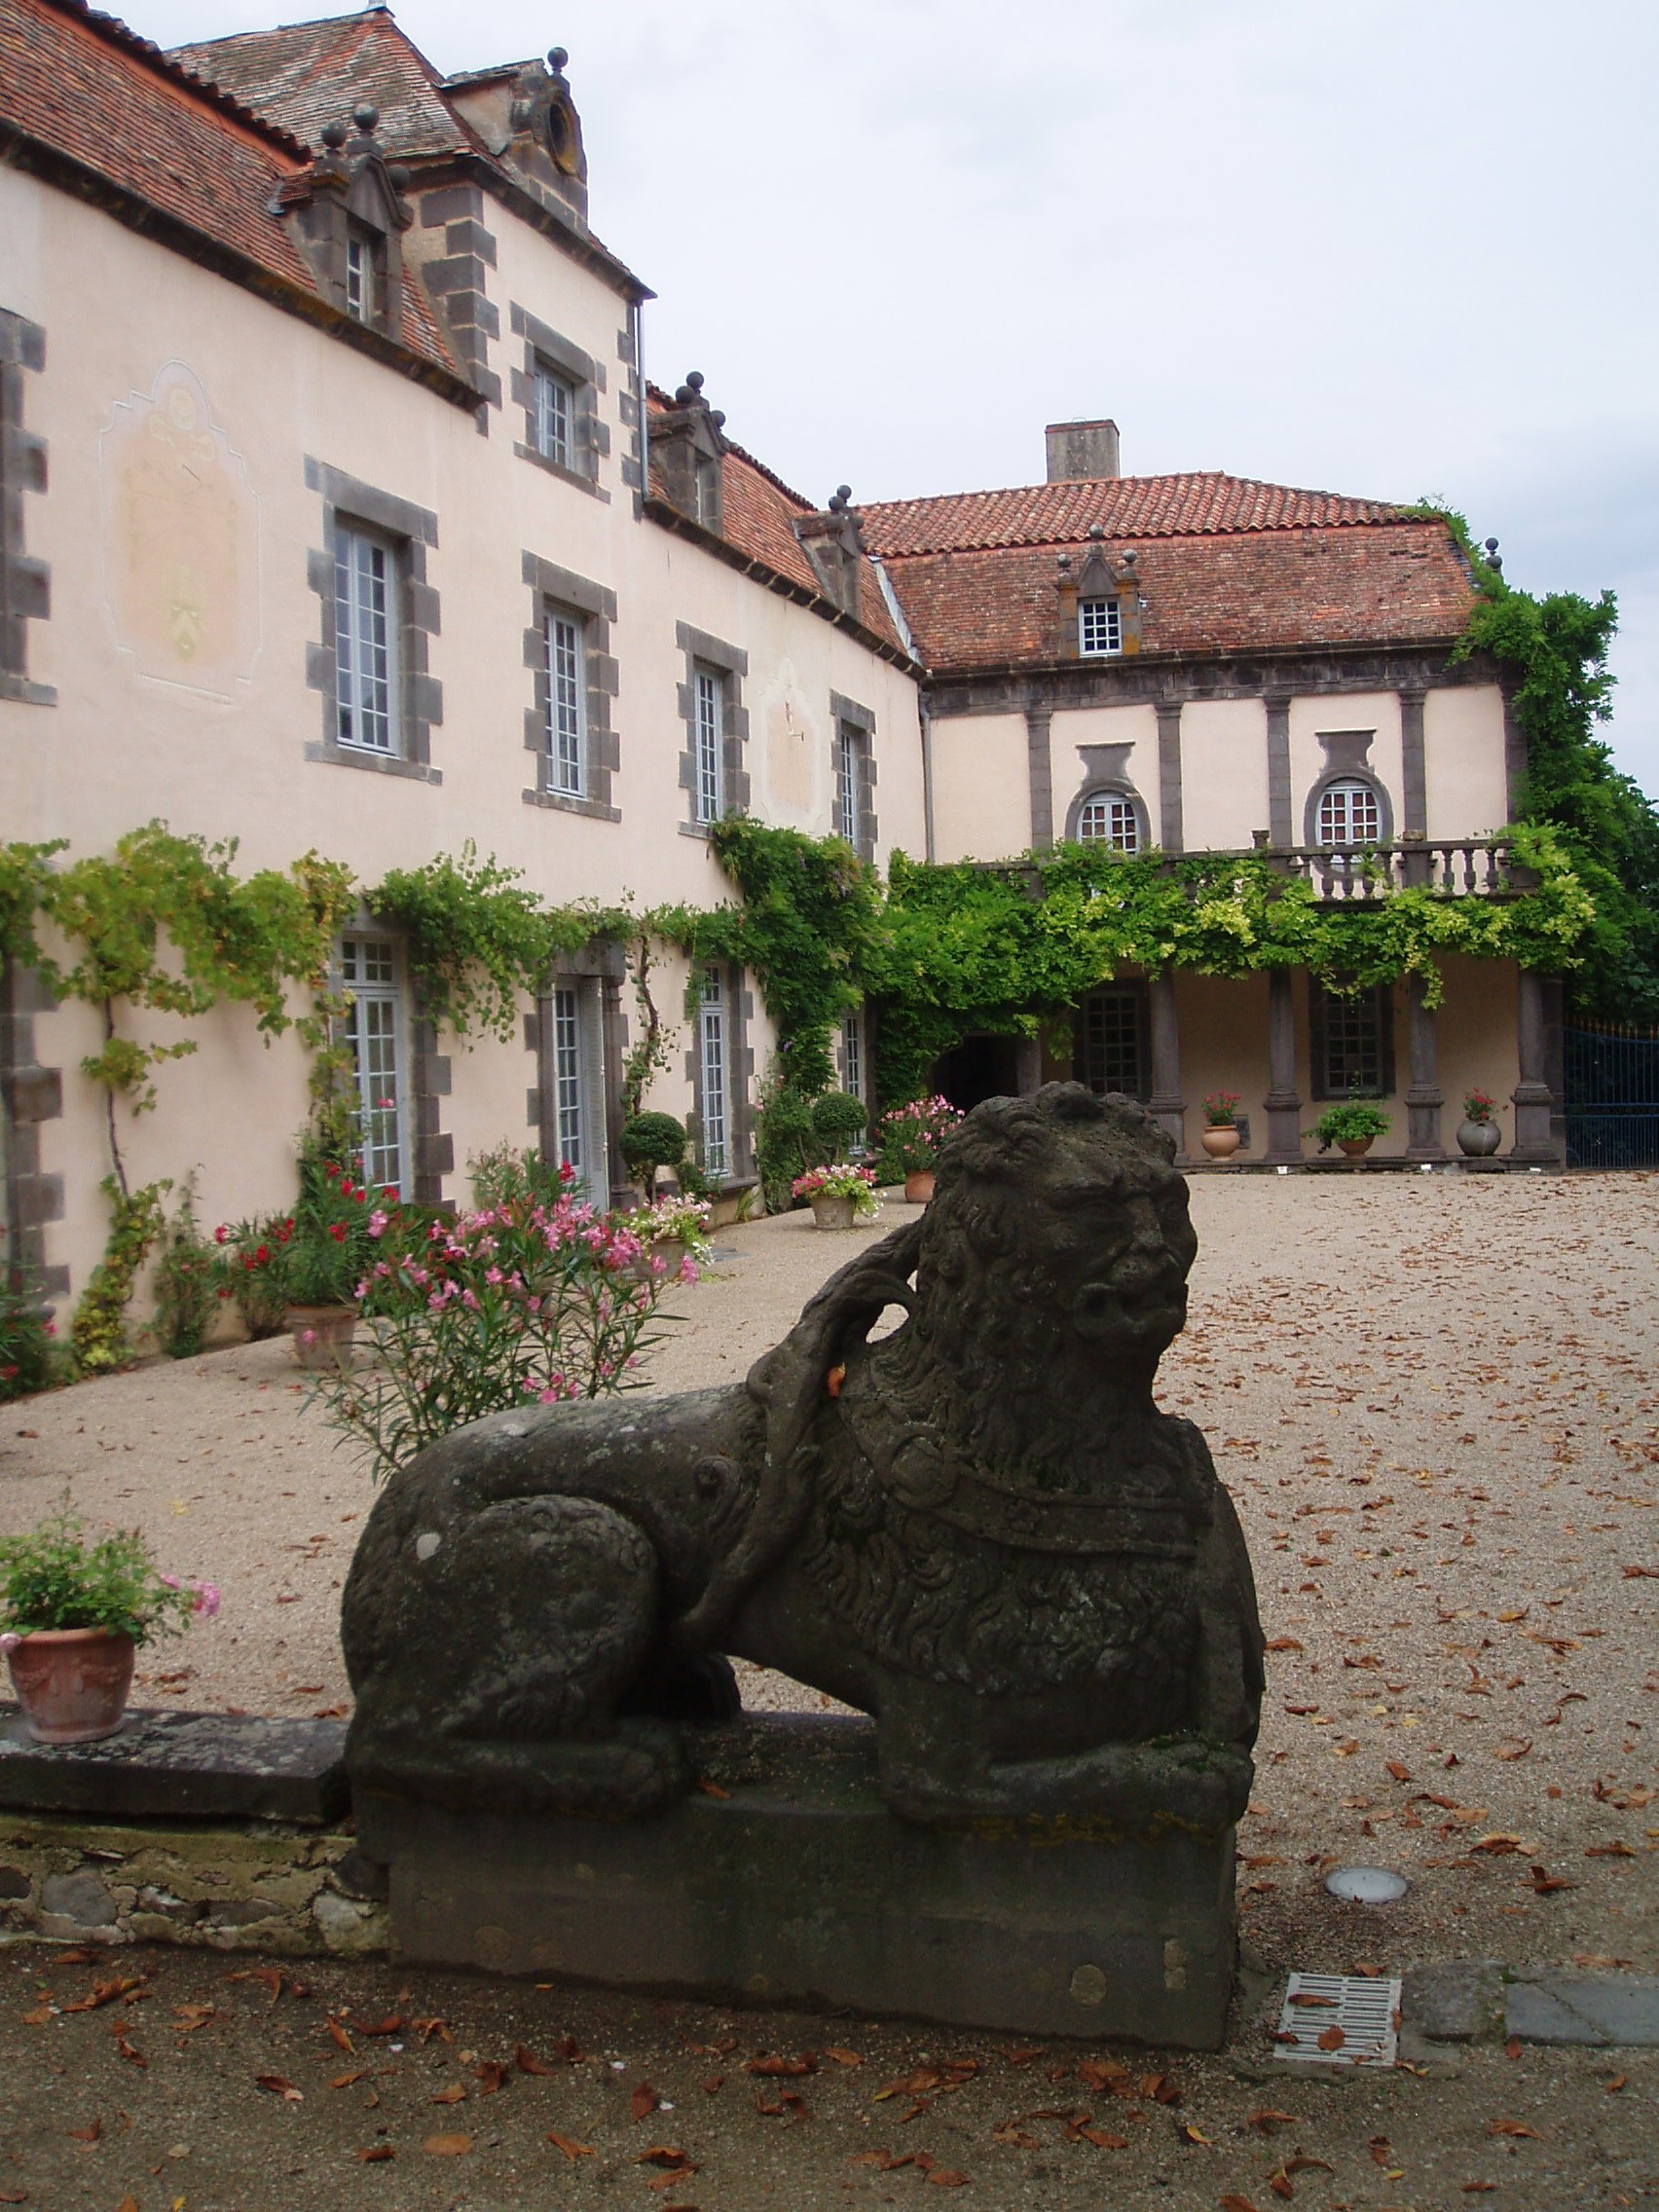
x,y
849,752
564,643
362,276
710,704
1107,818
555,417
712,1067
1099,626
707,491
365,639
569,1089
1349,813
852,1056
374,1038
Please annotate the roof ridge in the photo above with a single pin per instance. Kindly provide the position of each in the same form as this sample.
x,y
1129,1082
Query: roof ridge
x,y
114,33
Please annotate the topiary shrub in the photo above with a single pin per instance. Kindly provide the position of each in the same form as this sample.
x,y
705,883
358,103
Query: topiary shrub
x,y
839,1120
650,1141
785,1144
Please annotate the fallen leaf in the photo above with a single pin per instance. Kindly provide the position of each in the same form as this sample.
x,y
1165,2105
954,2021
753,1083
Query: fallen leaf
x,y
527,2063
710,1788
41,2014
1267,2118
806,2063
87,2134
1513,2127
377,2153
1637,1574
1103,2141
455,2094
448,2146
571,2149
1512,2049
1282,1644
662,2154
341,2038
1279,2181
713,2086
1398,1770
1311,1998
1304,2166
427,2030
490,2074
843,2057
106,1993
643,2102
1191,2134
393,2027
1332,2038
1617,2082
1517,1750
1234,2202
947,2177
280,2086
1618,1849
1479,2187
344,2081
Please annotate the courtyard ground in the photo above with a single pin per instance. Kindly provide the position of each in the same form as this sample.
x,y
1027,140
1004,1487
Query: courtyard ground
x,y
1435,1401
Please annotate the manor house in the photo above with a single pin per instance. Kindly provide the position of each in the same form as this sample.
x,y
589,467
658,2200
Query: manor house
x,y
337,514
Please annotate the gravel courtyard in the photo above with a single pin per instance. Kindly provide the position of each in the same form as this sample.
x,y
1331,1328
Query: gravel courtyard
x,y
1434,1399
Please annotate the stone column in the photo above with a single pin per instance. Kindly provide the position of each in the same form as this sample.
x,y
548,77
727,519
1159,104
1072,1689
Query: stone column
x,y
1283,1104
1027,1065
1281,828
1414,775
1166,1105
1170,832
1534,1137
1423,1097
1040,775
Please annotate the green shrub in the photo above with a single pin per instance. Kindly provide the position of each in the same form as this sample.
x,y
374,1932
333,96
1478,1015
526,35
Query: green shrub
x,y
97,1333
506,1177
839,1120
650,1141
1349,1123
186,1280
25,1345
53,1578
785,1144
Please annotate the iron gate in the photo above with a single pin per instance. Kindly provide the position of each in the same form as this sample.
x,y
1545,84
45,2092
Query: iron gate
x,y
1611,1079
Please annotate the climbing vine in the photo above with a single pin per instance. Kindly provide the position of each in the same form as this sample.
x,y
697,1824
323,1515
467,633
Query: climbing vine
x,y
477,939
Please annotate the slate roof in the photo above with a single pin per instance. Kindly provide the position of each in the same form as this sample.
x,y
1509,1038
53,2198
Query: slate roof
x,y
757,509
1226,565
84,87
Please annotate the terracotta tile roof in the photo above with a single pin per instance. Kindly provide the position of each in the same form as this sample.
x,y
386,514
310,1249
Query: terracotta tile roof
x,y
758,509
304,75
84,86
1252,589
1123,506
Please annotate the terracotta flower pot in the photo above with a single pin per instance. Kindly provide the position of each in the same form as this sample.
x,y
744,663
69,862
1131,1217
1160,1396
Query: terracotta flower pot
x,y
323,1336
72,1682
833,1212
920,1186
1354,1146
1220,1143
1479,1139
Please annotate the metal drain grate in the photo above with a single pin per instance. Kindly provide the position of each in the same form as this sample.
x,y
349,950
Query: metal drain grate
x,y
1365,2010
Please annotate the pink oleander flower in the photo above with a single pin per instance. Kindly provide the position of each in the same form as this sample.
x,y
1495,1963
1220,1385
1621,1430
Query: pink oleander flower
x,y
10,1640
206,1598
688,1272
376,1223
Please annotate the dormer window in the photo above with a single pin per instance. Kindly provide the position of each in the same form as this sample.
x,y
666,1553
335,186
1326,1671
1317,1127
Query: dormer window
x,y
362,290
555,417
707,485
1099,627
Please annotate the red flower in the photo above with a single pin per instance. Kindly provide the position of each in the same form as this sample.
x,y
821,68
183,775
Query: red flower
x,y
262,1255
336,1229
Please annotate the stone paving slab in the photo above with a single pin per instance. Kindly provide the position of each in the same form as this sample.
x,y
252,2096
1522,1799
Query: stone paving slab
x,y
1603,2009
1454,2000
182,1766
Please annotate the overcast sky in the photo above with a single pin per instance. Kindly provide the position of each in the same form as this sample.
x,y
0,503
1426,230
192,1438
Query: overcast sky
x,y
1389,248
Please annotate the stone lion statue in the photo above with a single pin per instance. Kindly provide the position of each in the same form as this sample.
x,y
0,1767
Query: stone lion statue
x,y
978,1528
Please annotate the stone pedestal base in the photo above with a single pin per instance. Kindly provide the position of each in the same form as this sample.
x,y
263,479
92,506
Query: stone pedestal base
x,y
790,1883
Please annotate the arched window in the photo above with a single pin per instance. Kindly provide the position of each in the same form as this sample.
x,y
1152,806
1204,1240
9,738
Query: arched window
x,y
1107,818
1349,813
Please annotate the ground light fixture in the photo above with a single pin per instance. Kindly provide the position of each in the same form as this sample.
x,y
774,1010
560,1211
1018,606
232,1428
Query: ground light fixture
x,y
1366,1885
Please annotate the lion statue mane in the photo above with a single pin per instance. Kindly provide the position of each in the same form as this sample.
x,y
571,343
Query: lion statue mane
x,y
977,1526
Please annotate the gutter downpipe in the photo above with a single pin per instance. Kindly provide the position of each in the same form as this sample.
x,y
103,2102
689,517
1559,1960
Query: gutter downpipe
x,y
926,720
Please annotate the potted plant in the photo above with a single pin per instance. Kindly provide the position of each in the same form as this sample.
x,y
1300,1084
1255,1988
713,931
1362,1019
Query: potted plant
x,y
649,1142
674,1238
1478,1134
1220,1138
838,1193
74,1614
311,1261
912,1137
1352,1126
841,1123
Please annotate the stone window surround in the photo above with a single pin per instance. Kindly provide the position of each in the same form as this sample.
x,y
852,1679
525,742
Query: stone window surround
x,y
421,696
739,1004
602,961
457,281
732,662
30,1094
1105,775
553,588
592,433
1347,761
844,710
431,1151
1318,1087
25,584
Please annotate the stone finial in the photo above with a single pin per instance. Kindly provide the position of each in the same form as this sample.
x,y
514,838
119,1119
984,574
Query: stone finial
x,y
334,135
1096,531
557,59
365,115
1128,562
691,391
1064,564
1494,559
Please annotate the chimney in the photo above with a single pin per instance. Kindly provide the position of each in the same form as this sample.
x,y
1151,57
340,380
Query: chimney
x,y
1079,450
